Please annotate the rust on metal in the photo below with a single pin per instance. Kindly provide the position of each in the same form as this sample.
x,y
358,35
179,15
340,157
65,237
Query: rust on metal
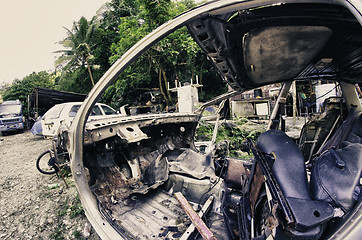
x,y
201,214
196,220
237,174
257,182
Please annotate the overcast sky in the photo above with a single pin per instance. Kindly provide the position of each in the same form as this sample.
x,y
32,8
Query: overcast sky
x,y
30,30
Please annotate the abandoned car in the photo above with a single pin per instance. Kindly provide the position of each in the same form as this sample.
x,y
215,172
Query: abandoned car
x,y
140,177
63,114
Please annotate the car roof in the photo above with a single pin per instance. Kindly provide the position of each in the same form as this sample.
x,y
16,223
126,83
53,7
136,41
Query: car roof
x,y
75,103
67,105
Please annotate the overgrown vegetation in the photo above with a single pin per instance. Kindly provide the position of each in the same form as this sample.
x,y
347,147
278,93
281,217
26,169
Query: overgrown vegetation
x,y
231,134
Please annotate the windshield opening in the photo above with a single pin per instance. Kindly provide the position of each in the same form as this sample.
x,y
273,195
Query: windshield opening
x,y
95,111
10,109
54,112
73,111
108,110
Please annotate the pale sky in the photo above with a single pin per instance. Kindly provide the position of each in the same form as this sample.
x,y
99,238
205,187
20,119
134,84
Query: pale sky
x,y
30,30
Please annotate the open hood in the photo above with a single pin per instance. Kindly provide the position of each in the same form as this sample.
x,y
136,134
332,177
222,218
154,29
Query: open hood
x,y
253,45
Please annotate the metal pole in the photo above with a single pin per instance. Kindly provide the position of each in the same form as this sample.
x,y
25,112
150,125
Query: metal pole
x,y
28,125
37,104
294,93
282,98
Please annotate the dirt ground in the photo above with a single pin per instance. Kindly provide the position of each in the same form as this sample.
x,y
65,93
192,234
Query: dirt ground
x,y
34,205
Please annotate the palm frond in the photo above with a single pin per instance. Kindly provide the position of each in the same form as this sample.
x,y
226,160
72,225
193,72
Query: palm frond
x,y
63,59
77,46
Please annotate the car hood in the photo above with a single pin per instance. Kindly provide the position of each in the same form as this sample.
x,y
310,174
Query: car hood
x,y
253,44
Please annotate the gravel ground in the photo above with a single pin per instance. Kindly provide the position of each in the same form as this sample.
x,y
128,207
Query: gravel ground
x,y
34,205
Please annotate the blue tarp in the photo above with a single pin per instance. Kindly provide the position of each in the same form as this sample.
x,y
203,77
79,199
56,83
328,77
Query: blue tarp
x,y
37,128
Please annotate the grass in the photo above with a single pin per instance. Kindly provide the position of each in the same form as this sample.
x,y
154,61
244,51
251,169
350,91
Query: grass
x,y
71,208
77,235
58,232
66,172
67,207
76,208
233,135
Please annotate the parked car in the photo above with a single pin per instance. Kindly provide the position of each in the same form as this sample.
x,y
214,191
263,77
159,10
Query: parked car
x,y
63,115
11,116
137,176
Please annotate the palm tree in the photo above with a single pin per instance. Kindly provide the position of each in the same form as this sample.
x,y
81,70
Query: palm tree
x,y
78,46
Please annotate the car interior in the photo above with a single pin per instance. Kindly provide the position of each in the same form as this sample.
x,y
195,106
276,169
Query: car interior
x,y
307,188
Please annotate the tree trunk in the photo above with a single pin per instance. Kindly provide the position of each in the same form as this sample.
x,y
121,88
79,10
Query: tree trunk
x,y
90,72
160,84
166,85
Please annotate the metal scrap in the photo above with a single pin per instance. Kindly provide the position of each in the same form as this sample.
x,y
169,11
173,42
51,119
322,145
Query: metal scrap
x,y
196,220
201,214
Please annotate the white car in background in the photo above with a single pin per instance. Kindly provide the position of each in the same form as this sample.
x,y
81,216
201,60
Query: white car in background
x,y
63,115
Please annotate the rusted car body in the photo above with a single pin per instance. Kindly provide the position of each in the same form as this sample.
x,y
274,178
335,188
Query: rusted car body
x,y
128,169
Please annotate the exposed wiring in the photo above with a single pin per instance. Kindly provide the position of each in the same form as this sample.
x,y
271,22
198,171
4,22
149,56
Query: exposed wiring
x,y
212,187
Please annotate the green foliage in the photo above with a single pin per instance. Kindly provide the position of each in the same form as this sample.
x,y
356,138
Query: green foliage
x,y
76,208
68,211
155,12
77,44
107,32
77,235
204,132
76,81
176,57
20,89
65,171
58,232
73,208
233,135
131,33
78,47
96,37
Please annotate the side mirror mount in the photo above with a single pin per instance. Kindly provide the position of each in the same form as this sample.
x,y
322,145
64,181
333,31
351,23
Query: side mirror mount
x,y
123,110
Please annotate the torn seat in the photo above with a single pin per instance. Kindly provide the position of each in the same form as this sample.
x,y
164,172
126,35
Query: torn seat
x,y
289,171
337,171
